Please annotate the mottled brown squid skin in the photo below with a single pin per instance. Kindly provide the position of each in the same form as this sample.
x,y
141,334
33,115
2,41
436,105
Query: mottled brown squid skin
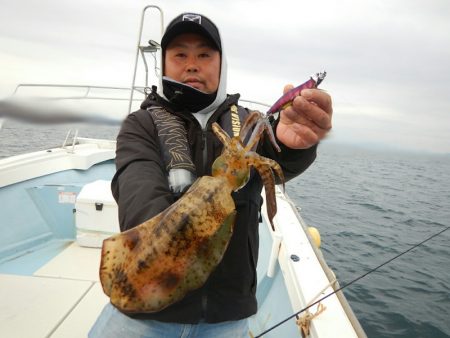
x,y
155,264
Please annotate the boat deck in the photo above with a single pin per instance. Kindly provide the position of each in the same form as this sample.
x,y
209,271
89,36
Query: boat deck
x,y
60,299
53,290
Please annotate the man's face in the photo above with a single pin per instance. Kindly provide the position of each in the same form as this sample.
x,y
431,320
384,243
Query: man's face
x,y
192,60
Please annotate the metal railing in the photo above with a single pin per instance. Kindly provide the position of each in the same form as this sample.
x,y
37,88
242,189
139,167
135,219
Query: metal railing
x,y
152,48
89,91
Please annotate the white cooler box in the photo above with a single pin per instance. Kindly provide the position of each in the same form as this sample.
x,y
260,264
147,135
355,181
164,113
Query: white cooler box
x,y
96,216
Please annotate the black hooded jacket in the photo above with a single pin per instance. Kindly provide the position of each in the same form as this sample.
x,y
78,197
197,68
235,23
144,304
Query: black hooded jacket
x,y
141,189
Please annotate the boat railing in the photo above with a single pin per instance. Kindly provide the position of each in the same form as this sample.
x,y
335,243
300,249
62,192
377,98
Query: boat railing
x,y
83,92
74,140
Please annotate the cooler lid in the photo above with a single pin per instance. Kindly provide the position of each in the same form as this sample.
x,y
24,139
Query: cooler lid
x,y
95,192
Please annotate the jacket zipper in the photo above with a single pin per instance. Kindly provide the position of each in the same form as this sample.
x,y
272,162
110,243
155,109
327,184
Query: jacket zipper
x,y
204,305
204,148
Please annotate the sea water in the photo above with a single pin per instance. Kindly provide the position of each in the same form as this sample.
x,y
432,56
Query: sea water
x,y
369,205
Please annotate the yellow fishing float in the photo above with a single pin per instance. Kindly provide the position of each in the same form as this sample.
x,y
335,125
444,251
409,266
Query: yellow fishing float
x,y
315,235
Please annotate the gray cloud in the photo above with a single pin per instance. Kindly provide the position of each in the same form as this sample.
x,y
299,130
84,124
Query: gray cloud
x,y
387,60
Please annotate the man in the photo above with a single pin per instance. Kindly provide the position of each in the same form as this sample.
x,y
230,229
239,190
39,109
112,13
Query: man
x,y
149,178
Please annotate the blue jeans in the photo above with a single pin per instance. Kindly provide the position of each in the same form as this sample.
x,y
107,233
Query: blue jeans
x,y
113,324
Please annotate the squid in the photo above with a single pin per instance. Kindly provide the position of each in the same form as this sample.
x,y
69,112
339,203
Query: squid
x,y
149,267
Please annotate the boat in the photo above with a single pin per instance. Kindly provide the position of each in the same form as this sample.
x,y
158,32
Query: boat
x,y
56,208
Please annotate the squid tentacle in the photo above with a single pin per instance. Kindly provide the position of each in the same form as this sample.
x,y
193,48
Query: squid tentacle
x,y
266,169
250,121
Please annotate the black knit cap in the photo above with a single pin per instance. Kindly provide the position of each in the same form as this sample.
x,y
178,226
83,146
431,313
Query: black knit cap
x,y
191,23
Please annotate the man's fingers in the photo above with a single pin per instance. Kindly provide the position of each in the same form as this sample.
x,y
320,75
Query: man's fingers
x,y
319,97
312,112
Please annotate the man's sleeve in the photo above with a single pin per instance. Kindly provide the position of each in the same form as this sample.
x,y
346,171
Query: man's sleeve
x,y
292,161
140,184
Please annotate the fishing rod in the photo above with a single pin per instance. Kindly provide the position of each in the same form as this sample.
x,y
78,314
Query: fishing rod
x,y
352,282
46,111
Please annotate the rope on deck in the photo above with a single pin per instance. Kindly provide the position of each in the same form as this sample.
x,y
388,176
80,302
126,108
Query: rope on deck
x,y
304,321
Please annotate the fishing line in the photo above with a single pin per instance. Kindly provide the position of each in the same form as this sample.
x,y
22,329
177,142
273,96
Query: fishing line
x,y
351,282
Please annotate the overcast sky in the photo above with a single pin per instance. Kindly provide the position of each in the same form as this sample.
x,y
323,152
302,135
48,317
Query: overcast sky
x,y
388,61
